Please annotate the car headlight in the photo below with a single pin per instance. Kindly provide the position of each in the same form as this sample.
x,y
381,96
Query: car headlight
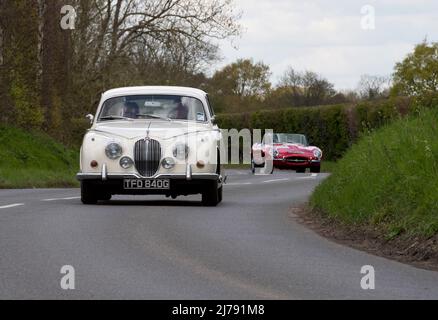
x,y
317,153
181,151
126,162
113,151
168,163
275,153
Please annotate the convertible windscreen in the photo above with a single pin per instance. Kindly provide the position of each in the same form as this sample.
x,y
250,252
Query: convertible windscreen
x,y
153,107
290,138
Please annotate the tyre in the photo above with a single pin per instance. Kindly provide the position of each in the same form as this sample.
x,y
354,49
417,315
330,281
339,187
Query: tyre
x,y
272,170
210,197
315,169
105,197
220,194
88,196
301,170
252,166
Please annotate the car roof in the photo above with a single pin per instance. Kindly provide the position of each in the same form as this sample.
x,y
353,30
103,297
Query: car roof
x,y
158,90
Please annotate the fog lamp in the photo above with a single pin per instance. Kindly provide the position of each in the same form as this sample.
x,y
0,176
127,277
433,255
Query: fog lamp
x,y
126,163
168,163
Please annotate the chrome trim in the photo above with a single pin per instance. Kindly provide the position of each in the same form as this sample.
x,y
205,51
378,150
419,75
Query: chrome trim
x,y
147,157
104,172
189,172
195,176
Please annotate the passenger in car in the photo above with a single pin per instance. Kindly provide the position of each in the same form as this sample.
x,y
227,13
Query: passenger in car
x,y
131,110
180,112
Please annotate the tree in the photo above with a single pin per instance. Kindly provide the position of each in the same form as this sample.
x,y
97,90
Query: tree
x,y
19,27
50,77
55,65
121,42
292,86
417,74
307,88
372,87
240,86
243,78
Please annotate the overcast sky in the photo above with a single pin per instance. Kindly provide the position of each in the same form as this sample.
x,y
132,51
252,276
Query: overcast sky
x,y
327,36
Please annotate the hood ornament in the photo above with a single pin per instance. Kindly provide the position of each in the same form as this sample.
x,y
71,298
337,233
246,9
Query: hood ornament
x,y
147,138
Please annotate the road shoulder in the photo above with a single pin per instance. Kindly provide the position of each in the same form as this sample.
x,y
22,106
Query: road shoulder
x,y
416,251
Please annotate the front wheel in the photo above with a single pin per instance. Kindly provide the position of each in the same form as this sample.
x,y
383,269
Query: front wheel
x,y
315,169
212,195
220,194
88,196
105,197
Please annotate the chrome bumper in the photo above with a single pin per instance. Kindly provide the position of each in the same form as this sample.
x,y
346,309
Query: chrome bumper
x,y
195,176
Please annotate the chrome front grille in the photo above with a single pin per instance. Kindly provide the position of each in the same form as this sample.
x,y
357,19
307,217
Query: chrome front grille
x,y
147,156
297,159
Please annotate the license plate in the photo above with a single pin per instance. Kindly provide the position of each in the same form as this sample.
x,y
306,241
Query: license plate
x,y
146,184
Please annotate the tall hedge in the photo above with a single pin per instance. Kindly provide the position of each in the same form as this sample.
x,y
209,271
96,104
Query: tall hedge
x,y
332,128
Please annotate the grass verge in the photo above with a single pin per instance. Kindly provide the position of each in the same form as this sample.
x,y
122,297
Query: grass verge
x,y
388,181
34,160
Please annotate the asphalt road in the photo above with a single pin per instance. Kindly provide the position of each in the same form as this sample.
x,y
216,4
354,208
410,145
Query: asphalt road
x,y
249,247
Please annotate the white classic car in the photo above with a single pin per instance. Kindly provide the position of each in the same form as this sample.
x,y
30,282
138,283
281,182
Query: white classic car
x,y
152,140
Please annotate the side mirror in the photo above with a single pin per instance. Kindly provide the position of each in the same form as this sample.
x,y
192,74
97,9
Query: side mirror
x,y
90,117
213,120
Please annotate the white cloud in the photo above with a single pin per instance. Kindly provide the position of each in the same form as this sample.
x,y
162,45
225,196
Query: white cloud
x,y
327,38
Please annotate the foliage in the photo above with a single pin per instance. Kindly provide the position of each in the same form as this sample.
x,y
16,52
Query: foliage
x,y
373,87
389,179
19,64
32,159
50,77
306,88
417,74
241,86
332,128
243,78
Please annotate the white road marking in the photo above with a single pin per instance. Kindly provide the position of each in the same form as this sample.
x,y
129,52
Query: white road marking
x,y
276,180
59,199
12,205
239,184
312,176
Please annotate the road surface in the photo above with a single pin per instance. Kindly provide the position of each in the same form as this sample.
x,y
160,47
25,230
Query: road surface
x,y
249,247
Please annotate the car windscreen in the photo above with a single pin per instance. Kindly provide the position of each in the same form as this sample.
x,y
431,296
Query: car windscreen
x,y
173,107
290,138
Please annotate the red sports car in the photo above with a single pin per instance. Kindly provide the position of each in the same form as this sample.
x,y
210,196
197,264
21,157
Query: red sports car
x,y
289,151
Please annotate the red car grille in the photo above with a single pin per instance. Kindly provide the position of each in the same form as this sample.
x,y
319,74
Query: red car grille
x,y
297,159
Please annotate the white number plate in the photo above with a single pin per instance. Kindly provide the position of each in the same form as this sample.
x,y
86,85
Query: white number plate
x,y
148,184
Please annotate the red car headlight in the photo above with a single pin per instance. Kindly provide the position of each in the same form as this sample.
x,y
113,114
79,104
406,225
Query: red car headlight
x,y
317,153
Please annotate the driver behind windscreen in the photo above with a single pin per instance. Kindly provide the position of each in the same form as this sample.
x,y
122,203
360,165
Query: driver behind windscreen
x,y
181,111
131,110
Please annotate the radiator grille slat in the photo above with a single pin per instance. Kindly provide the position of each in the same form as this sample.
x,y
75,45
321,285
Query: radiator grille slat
x,y
147,154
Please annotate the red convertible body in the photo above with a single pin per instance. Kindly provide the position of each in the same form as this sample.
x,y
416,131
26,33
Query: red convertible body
x,y
289,151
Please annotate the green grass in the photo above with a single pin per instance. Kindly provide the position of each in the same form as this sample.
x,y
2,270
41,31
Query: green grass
x,y
34,160
328,166
388,180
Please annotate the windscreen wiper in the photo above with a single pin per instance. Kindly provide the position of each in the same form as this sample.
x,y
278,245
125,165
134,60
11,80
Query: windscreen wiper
x,y
115,118
152,116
